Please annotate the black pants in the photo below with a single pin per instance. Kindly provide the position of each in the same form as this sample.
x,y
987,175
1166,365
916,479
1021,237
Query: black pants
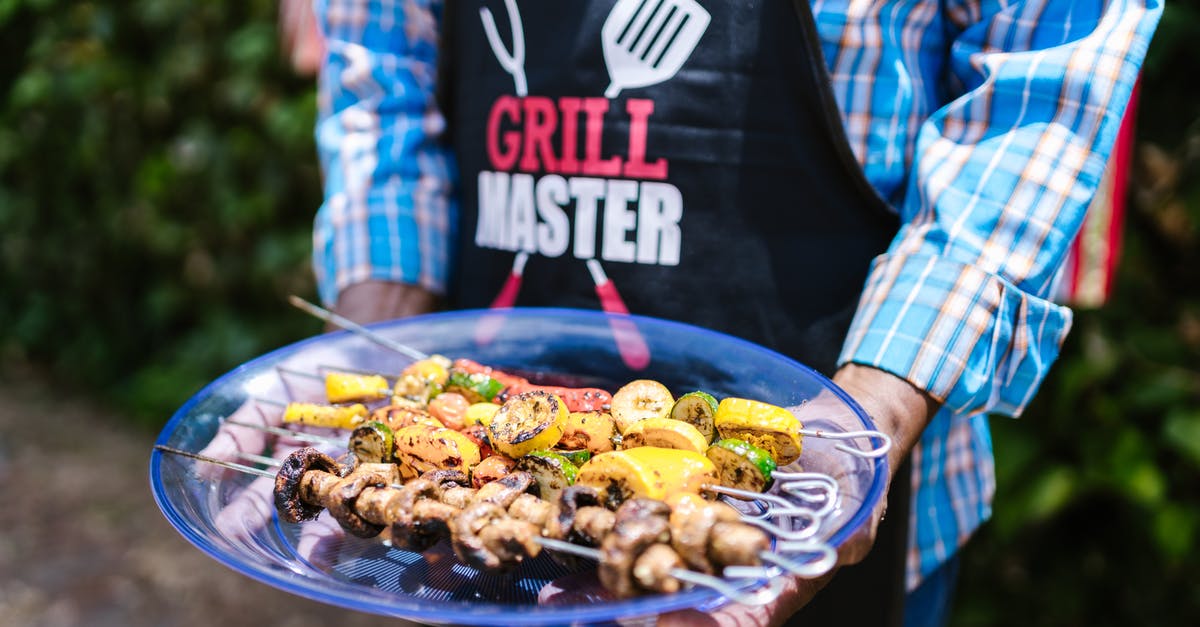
x,y
870,593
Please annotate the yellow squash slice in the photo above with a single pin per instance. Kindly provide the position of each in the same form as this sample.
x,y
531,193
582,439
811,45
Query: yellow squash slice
x,y
647,471
639,400
766,426
590,430
664,433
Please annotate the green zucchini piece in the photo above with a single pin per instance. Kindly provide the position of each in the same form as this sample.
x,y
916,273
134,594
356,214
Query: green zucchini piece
x,y
697,409
477,387
372,443
578,457
741,464
552,471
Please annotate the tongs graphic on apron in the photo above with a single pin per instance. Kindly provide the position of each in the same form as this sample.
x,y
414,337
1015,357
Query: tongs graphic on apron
x,y
630,343
647,41
513,63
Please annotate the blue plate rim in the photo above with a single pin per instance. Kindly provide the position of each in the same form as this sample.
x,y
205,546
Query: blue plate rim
x,y
493,614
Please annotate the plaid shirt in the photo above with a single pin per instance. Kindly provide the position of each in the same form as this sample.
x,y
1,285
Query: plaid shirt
x,y
987,125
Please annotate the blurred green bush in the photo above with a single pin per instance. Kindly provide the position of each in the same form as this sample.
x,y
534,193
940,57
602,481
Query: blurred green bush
x,y
158,181
157,185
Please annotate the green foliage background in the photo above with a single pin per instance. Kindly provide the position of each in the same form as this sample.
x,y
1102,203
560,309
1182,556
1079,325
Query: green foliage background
x,y
157,186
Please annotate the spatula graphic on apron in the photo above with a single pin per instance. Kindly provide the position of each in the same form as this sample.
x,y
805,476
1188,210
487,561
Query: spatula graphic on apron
x,y
647,41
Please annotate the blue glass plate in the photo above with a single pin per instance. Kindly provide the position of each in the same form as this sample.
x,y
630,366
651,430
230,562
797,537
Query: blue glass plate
x,y
230,516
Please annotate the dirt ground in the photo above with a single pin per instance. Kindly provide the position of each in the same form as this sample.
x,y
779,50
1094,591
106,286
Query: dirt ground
x,y
83,543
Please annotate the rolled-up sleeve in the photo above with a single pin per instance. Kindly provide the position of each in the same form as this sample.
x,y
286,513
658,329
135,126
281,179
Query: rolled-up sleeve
x,y
388,212
1003,174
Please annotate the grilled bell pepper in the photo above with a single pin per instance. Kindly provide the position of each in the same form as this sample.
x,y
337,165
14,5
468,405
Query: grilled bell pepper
x,y
480,414
476,387
318,415
342,387
421,448
764,425
423,380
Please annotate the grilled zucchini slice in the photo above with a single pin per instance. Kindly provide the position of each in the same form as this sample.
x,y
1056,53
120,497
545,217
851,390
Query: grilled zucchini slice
x,y
697,409
741,464
528,422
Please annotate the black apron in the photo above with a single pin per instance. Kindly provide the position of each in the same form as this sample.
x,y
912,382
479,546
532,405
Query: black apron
x,y
676,159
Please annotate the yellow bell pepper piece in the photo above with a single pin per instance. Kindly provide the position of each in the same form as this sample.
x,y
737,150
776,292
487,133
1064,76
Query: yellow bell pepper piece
x,y
421,448
480,414
431,369
317,415
342,387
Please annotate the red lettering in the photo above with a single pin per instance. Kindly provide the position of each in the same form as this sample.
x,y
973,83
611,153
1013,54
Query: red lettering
x,y
503,160
541,118
593,126
569,108
639,110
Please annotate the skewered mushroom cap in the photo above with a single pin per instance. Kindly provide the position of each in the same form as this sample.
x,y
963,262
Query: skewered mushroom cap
x,y
288,503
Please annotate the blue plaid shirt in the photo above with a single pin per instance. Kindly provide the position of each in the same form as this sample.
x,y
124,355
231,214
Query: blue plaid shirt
x,y
987,124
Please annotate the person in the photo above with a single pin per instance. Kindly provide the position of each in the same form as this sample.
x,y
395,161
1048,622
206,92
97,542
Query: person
x,y
883,190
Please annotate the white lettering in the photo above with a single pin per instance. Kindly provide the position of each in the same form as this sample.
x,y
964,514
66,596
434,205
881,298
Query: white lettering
x,y
493,210
587,193
522,217
619,219
660,207
554,232
521,212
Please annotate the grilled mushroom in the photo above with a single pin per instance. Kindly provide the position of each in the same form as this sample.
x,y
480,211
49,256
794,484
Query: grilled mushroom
x,y
288,502
640,522
346,492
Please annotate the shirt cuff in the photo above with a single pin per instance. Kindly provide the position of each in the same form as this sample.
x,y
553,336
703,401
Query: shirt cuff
x,y
973,340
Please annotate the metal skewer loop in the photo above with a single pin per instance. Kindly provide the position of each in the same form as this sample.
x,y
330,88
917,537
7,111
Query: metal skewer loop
x,y
871,453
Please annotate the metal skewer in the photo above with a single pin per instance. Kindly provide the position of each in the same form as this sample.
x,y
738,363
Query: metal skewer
x,y
354,327
826,556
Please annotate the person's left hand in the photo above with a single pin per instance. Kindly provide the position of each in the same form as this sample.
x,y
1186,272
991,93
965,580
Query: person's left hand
x,y
898,409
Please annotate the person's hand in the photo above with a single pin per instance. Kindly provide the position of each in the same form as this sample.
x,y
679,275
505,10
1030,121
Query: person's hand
x,y
372,301
898,409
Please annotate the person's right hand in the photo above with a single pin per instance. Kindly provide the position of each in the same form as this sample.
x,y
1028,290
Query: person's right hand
x,y
372,301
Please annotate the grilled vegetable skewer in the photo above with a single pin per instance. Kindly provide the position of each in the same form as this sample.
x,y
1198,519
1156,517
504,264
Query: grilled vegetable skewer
x,y
501,521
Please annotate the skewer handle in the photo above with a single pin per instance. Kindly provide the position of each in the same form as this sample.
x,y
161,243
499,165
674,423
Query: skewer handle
x,y
354,327
212,460
871,453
